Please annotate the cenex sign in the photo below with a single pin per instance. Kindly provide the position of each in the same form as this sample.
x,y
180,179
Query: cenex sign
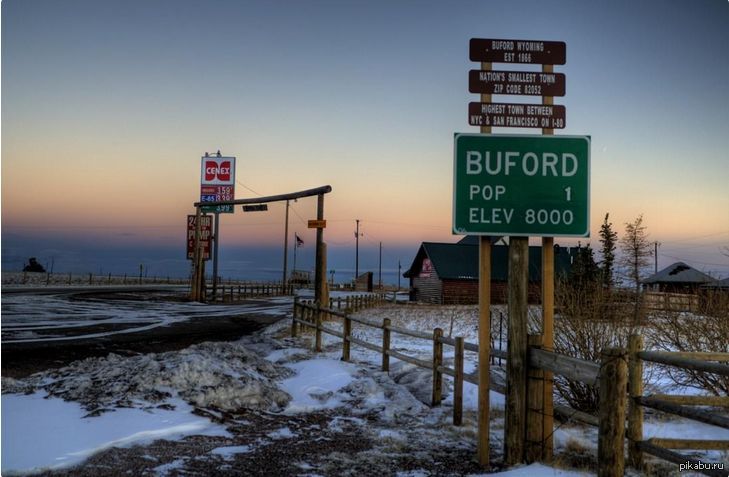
x,y
521,185
217,182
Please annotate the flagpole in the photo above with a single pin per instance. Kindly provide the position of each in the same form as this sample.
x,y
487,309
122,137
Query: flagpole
x,y
296,245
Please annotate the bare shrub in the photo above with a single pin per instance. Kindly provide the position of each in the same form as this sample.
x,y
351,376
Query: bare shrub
x,y
585,339
688,332
581,331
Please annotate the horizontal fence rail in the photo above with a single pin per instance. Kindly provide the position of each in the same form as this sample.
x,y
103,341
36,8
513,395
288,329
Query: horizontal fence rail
x,y
233,291
567,366
672,359
676,458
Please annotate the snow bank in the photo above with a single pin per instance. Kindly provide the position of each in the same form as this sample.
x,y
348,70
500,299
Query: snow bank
x,y
539,470
41,432
225,376
316,384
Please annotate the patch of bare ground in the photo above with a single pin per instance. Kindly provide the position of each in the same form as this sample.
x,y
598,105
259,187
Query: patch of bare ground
x,y
329,443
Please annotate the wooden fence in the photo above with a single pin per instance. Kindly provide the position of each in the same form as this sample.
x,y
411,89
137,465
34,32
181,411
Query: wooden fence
x,y
611,377
235,291
665,301
674,404
53,279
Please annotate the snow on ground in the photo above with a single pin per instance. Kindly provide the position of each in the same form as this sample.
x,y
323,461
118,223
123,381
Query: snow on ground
x,y
41,432
224,375
540,470
119,401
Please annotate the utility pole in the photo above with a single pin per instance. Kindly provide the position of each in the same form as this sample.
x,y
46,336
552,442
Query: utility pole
x,y
399,269
655,256
286,246
380,265
356,252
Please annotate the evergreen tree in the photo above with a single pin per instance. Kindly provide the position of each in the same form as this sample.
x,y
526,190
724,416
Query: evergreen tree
x,y
584,271
608,239
34,266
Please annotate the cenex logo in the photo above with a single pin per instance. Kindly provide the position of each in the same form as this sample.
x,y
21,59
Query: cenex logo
x,y
213,170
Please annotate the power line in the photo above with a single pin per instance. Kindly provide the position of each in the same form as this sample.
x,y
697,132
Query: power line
x,y
246,187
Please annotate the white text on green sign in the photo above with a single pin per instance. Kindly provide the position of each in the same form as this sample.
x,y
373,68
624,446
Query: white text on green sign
x,y
521,185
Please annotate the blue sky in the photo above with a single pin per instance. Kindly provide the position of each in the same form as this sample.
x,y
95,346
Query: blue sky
x,y
107,107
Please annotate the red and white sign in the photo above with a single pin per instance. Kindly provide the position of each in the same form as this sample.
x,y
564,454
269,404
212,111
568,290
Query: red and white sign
x,y
427,268
205,235
217,171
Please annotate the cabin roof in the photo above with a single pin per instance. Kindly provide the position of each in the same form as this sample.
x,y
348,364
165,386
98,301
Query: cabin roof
x,y
459,261
679,272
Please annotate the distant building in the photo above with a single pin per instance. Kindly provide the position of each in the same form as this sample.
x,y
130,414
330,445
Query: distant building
x,y
363,282
447,273
678,278
719,285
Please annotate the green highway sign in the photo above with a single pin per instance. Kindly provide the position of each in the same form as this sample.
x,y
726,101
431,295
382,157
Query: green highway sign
x,y
521,185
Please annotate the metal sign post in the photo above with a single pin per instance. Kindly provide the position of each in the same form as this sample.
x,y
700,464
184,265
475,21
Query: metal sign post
x,y
216,243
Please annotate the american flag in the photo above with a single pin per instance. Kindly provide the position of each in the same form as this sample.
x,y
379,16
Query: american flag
x,y
299,242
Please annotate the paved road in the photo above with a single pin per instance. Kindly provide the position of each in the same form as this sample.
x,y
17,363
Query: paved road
x,y
53,328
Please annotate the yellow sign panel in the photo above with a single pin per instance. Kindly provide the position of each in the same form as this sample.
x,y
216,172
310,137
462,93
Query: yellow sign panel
x,y
317,224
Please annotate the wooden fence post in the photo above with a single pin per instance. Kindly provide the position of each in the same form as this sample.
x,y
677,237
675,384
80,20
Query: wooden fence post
x,y
346,345
293,321
516,366
635,410
535,407
386,345
611,433
437,362
458,383
484,339
317,317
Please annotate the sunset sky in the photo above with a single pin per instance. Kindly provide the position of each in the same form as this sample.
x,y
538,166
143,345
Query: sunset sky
x,y
107,107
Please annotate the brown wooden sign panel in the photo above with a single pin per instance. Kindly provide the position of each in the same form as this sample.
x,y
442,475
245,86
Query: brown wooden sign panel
x,y
518,51
516,82
317,224
205,235
512,115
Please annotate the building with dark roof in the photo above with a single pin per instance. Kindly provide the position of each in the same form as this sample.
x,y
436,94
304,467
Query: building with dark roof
x,y
447,273
678,278
722,285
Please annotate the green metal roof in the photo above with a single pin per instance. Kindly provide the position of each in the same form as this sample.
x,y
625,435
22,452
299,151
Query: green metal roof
x,y
459,261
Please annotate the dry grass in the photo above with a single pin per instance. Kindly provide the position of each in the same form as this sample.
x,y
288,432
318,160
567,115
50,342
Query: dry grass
x,y
688,332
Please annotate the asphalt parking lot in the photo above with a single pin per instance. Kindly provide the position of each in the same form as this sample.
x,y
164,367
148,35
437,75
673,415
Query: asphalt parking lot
x,y
41,331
